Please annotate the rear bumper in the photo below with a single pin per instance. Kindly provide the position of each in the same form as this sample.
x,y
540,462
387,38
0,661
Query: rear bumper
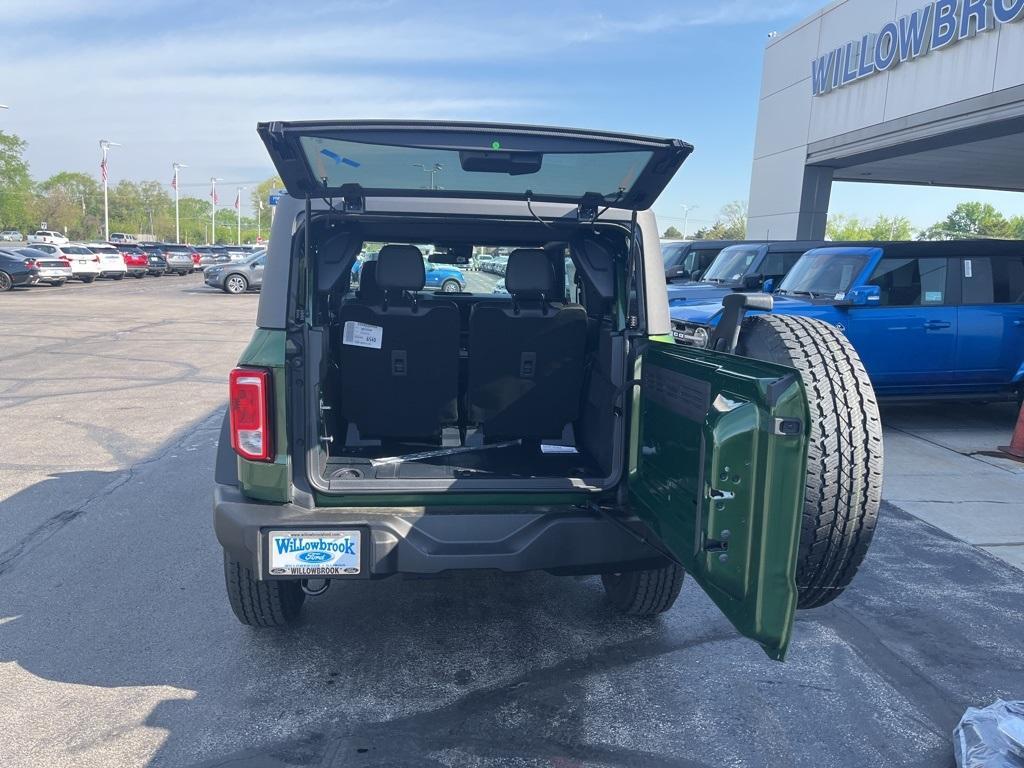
x,y
409,540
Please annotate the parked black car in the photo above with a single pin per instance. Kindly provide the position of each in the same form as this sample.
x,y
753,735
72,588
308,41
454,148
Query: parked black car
x,y
14,271
157,262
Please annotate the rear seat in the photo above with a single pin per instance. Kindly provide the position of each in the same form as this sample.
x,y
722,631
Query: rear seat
x,y
526,360
399,375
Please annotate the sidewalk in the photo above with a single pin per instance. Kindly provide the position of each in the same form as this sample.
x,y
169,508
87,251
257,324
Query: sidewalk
x,y
939,467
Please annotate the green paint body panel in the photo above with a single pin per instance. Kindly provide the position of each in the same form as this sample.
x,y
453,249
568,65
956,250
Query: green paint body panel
x,y
260,479
722,491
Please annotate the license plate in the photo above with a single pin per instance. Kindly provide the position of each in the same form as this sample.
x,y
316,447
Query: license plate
x,y
81,261
315,554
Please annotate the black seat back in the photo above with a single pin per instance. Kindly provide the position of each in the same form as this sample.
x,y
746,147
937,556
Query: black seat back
x,y
399,356
369,291
526,358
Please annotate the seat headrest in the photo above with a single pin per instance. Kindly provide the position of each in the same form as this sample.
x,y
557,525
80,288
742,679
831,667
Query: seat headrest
x,y
400,268
529,271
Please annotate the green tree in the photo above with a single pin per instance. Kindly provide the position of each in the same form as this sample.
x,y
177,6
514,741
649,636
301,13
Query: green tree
x,y
842,227
71,200
969,220
15,183
672,234
730,224
262,191
1016,225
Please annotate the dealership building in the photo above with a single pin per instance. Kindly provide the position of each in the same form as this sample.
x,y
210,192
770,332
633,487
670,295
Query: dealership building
x,y
896,91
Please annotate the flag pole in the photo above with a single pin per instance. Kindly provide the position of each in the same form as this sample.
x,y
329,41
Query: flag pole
x,y
177,214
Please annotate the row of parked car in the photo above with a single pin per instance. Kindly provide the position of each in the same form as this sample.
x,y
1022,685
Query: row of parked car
x,y
56,260
929,319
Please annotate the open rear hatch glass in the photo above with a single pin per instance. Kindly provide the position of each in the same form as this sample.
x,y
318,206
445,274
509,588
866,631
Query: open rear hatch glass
x,y
474,160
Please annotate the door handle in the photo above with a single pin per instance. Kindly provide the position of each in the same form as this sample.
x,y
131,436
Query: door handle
x,y
1019,323
935,325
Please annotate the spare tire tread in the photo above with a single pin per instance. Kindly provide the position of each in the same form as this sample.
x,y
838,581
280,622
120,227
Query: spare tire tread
x,y
844,459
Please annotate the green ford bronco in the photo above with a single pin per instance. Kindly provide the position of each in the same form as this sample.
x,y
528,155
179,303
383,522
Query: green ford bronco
x,y
553,425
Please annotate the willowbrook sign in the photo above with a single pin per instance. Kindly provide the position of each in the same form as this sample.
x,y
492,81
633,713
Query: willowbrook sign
x,y
936,26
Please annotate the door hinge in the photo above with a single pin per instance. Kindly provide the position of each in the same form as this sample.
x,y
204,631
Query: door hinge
x,y
789,427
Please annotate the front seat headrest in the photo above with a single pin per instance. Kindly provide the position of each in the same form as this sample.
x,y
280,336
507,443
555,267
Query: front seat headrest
x,y
529,272
400,268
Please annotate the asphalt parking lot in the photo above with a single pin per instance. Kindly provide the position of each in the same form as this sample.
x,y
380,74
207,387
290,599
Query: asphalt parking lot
x,y
118,648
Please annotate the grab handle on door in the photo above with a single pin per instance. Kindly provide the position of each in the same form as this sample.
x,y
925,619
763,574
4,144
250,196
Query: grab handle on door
x,y
934,325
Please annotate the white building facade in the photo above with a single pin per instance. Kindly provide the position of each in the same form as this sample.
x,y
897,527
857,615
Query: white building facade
x,y
897,91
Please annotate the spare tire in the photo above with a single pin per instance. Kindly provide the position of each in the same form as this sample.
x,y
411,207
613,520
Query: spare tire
x,y
843,487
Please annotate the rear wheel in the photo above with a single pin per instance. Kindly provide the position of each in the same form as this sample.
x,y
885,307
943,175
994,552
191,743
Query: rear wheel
x,y
644,593
236,284
57,283
843,486
119,276
140,275
87,278
6,283
261,603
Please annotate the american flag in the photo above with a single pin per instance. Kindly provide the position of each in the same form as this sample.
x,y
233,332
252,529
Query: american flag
x,y
213,194
238,199
103,166
174,181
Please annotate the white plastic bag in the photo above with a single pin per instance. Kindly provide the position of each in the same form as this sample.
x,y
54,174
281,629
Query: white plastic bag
x,y
992,737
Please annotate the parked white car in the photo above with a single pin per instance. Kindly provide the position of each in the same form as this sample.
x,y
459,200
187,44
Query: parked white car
x,y
122,237
85,265
111,261
11,235
48,236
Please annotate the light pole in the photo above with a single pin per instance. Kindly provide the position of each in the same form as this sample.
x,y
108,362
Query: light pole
x,y
686,215
238,210
4,106
213,209
259,220
432,170
177,215
104,148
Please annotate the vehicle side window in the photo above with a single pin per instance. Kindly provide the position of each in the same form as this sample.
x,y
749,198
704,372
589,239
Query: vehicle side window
x,y
571,289
910,282
993,281
777,265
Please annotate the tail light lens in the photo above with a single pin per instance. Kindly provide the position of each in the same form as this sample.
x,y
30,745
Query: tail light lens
x,y
95,258
249,413
30,263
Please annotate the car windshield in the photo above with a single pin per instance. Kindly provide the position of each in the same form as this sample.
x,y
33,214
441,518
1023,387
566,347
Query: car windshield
x,y
731,265
824,274
672,254
381,166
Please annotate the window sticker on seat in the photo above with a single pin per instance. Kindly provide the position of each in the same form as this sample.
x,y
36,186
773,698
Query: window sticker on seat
x,y
362,335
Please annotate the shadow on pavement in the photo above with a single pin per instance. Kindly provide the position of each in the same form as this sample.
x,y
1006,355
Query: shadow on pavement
x,y
125,652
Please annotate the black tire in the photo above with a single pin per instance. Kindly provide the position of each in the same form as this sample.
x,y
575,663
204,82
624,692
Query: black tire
x,y
261,603
6,283
140,275
58,283
644,593
843,488
87,278
451,286
235,284
118,276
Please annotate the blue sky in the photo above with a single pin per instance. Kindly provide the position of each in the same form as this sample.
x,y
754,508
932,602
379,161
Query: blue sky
x,y
187,81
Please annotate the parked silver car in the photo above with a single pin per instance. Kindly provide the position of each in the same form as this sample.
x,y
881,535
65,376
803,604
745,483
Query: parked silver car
x,y
237,277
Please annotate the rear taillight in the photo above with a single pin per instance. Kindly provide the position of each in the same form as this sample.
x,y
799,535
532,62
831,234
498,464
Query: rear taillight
x,y
30,263
249,413
95,258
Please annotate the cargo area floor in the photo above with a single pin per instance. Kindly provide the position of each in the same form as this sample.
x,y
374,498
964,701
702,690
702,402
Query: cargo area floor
x,y
504,460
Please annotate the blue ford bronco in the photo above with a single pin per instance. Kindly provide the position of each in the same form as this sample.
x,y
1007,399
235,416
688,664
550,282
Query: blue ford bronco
x,y
929,319
742,267
397,429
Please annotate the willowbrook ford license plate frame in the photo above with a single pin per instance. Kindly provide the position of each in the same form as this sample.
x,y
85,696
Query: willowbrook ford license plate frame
x,y
315,553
